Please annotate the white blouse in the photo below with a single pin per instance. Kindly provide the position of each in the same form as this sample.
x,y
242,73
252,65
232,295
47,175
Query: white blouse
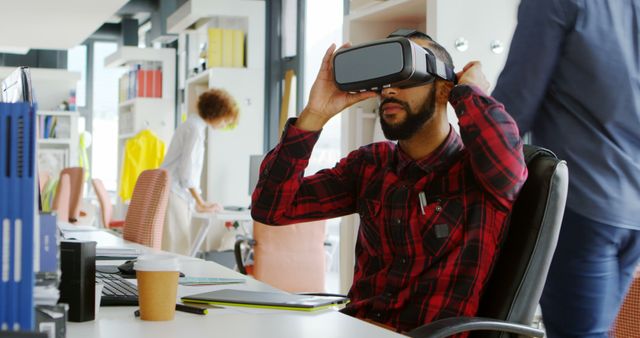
x,y
185,156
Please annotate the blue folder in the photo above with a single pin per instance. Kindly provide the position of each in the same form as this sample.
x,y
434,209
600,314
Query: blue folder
x,y
4,264
17,214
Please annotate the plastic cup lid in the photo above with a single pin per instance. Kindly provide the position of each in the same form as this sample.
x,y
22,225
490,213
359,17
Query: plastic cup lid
x,y
156,262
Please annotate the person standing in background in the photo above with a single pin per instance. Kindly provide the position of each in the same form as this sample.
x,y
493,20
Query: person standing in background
x,y
184,161
572,78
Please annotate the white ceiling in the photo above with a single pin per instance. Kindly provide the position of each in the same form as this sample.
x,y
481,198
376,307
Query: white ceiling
x,y
52,24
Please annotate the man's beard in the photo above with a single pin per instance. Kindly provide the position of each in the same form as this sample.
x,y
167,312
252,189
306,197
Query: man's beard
x,y
413,121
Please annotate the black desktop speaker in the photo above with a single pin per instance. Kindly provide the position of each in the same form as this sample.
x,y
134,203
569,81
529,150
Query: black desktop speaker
x,y
78,282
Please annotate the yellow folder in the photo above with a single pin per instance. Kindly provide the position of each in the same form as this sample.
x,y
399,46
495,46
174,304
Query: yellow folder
x,y
214,48
238,48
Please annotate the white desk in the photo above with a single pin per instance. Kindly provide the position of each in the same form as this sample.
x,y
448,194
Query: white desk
x,y
211,219
119,322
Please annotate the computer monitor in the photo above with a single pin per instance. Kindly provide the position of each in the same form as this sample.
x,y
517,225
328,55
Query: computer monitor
x,y
254,171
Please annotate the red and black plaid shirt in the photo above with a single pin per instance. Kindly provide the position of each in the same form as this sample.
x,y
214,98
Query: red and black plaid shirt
x,y
411,268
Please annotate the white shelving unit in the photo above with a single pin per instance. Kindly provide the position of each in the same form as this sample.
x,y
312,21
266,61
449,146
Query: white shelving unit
x,y
137,114
50,88
226,172
478,22
54,154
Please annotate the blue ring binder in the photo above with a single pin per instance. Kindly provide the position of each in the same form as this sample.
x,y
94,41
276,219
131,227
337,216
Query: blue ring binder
x,y
17,215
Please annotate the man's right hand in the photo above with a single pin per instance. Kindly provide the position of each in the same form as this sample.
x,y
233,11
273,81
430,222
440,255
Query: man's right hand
x,y
325,99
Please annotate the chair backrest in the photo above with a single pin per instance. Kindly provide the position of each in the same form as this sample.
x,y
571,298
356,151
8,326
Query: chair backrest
x,y
145,216
514,288
290,257
61,199
43,178
627,324
76,180
106,209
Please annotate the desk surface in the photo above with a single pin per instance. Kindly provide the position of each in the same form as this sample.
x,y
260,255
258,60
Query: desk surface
x,y
224,215
119,322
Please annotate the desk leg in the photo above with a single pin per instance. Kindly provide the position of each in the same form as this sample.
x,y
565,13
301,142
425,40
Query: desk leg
x,y
197,243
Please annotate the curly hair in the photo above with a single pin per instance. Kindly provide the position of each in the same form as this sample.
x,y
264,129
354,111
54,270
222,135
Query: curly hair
x,y
217,104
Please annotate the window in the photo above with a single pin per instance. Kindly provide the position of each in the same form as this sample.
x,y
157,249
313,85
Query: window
x,y
105,116
77,62
324,27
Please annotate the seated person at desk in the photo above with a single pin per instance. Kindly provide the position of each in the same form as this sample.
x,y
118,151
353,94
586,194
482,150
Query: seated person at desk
x,y
433,207
184,160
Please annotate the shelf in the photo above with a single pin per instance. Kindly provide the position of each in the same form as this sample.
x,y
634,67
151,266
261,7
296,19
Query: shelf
x,y
407,11
51,86
192,11
128,54
196,13
132,102
57,113
200,78
45,74
64,141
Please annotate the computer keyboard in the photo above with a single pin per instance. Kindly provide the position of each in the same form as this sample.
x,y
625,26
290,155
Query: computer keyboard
x,y
117,290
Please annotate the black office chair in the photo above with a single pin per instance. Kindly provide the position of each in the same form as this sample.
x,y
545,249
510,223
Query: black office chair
x,y
513,291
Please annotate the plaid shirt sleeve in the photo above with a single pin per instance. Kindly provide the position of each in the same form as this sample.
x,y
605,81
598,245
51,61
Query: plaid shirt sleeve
x,y
493,141
284,196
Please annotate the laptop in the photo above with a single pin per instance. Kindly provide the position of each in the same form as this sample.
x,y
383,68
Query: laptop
x,y
269,300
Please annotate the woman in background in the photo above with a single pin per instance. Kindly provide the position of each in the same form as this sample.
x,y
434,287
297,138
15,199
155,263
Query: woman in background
x,y
184,160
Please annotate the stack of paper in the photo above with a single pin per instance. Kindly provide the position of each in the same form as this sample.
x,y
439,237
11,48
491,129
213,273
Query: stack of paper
x,y
117,253
193,281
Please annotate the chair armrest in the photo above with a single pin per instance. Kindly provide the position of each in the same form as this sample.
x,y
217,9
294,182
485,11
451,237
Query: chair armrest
x,y
237,251
450,326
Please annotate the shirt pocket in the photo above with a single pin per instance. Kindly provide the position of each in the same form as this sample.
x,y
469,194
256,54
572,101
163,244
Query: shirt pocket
x,y
442,228
369,211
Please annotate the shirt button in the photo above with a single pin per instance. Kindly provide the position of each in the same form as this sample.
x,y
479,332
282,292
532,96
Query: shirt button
x,y
389,294
404,261
438,208
379,315
398,221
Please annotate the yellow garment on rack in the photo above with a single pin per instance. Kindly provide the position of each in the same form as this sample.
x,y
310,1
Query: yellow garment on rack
x,y
142,152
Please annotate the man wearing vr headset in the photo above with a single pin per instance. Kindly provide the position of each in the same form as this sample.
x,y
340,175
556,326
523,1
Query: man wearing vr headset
x,y
433,207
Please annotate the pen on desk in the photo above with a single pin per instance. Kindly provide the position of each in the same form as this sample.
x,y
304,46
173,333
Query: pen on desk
x,y
183,308
191,309
423,201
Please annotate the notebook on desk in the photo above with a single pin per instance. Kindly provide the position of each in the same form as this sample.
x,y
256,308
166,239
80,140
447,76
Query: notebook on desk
x,y
269,300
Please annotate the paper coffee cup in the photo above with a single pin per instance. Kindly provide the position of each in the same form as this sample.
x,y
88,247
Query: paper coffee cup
x,y
157,286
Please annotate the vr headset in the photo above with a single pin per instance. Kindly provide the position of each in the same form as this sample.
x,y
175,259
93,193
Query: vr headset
x,y
392,62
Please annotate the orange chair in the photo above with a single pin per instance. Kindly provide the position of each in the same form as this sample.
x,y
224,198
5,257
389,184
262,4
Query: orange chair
x,y
106,209
76,186
288,257
145,216
627,324
43,178
61,199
